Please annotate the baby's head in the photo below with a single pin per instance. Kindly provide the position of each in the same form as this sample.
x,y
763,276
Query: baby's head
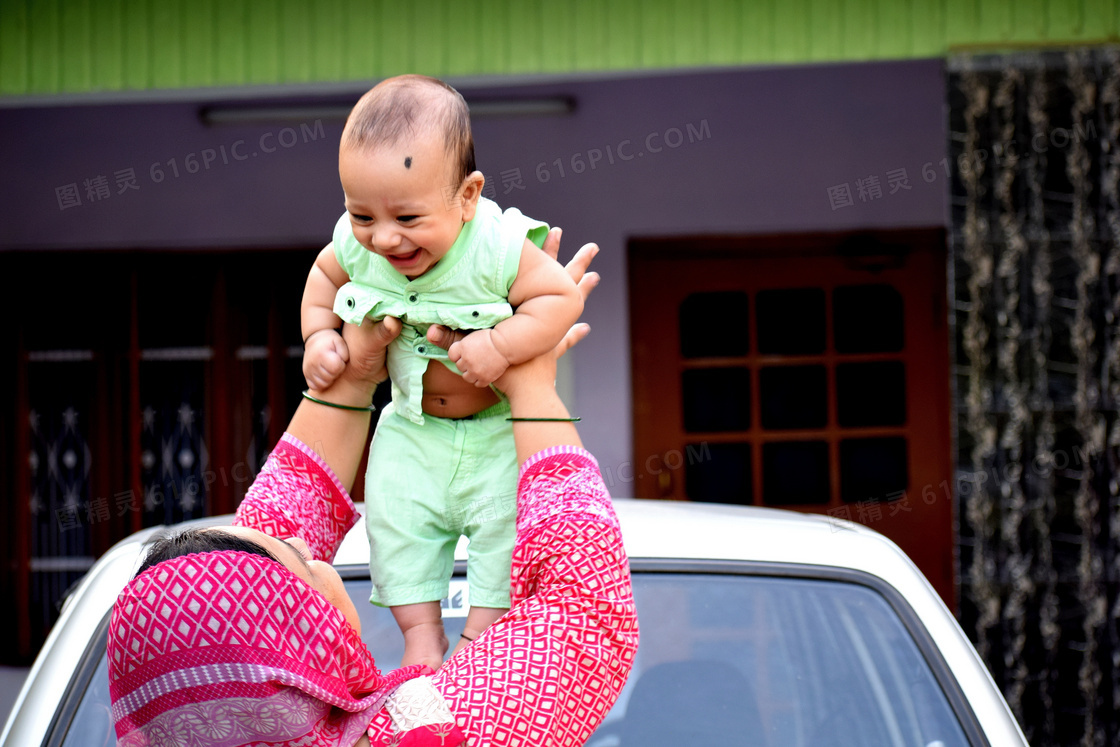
x,y
407,167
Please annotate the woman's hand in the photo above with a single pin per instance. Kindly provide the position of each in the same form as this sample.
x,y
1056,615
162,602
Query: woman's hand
x,y
367,345
577,269
577,266
541,371
541,421
339,436
521,380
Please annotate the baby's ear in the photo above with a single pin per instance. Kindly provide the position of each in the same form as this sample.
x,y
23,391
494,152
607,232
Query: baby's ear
x,y
470,191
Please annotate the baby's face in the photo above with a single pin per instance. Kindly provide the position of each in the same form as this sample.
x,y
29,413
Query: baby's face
x,y
402,203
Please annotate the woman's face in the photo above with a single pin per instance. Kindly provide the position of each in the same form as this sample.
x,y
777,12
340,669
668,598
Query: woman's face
x,y
320,576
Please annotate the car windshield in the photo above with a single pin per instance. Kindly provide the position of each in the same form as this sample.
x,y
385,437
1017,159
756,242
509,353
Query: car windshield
x,y
729,659
775,662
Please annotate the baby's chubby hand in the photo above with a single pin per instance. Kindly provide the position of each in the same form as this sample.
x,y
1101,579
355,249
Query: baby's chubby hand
x,y
324,358
478,358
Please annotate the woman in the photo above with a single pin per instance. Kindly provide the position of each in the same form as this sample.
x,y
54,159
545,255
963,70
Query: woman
x,y
235,637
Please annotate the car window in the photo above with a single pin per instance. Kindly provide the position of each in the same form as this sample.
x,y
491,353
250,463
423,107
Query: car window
x,y
92,725
727,659
775,662
379,630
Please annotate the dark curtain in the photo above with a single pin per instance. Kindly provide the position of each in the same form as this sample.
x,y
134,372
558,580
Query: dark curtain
x,y
1036,282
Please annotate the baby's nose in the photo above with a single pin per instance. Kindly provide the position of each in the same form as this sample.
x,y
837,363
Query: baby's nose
x,y
386,238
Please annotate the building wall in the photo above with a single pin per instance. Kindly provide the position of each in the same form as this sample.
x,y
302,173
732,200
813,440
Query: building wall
x,y
57,46
756,151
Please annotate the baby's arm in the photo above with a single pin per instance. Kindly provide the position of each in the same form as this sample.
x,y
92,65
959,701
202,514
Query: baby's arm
x,y
547,304
324,353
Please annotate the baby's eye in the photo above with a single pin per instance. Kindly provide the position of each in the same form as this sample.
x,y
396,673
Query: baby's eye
x,y
360,218
406,218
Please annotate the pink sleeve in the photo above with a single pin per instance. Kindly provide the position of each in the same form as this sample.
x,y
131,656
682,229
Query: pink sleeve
x,y
549,670
297,495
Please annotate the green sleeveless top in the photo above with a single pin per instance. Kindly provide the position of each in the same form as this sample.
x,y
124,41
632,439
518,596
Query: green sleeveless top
x,y
467,289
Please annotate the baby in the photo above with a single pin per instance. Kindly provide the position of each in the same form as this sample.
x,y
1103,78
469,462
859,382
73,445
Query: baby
x,y
418,242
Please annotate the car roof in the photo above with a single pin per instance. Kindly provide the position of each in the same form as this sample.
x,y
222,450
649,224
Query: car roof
x,y
715,531
705,531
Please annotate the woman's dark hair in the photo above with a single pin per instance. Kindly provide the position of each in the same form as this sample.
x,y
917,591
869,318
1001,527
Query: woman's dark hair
x,y
173,545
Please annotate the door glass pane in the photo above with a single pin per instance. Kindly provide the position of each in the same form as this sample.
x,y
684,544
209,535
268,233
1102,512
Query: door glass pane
x,y
716,399
174,455
714,324
722,473
872,468
870,394
63,507
795,472
793,397
867,319
791,321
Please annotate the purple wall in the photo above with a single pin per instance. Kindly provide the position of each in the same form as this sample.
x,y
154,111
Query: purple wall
x,y
766,145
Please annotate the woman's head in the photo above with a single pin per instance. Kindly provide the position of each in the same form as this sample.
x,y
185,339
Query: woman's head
x,y
170,545
229,646
291,553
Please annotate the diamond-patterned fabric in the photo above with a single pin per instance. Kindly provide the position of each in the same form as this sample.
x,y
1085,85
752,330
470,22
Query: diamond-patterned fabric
x,y
297,494
227,648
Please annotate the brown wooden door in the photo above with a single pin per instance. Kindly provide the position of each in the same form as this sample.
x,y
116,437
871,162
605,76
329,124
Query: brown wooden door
x,y
801,372
149,388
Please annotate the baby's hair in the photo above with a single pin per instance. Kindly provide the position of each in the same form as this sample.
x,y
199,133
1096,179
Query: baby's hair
x,y
170,545
410,105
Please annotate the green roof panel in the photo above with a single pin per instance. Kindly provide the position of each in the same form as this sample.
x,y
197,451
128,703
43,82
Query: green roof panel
x,y
76,46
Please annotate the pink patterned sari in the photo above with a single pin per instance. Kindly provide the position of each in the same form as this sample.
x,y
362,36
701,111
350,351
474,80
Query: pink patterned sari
x,y
227,648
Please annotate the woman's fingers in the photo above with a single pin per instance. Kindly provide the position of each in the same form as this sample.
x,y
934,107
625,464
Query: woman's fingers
x,y
444,337
577,265
386,331
373,337
367,344
574,335
551,244
587,284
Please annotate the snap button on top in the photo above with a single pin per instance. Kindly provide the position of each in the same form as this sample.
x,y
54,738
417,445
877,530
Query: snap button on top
x,y
350,302
413,298
420,349
474,314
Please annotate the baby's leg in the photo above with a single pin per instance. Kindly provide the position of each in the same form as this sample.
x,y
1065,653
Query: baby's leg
x,y
491,520
478,620
424,639
411,555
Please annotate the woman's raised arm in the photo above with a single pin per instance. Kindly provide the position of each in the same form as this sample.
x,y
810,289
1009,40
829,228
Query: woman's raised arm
x,y
302,490
339,435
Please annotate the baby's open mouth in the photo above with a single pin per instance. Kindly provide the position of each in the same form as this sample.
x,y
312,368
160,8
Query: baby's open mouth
x,y
403,260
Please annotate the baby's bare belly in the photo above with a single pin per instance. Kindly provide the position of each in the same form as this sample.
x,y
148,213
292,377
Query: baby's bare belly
x,y
446,395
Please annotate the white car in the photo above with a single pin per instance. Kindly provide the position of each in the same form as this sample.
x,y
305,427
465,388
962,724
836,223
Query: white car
x,y
759,627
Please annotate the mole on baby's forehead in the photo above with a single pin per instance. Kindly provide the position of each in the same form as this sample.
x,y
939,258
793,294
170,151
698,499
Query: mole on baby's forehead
x,y
408,162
